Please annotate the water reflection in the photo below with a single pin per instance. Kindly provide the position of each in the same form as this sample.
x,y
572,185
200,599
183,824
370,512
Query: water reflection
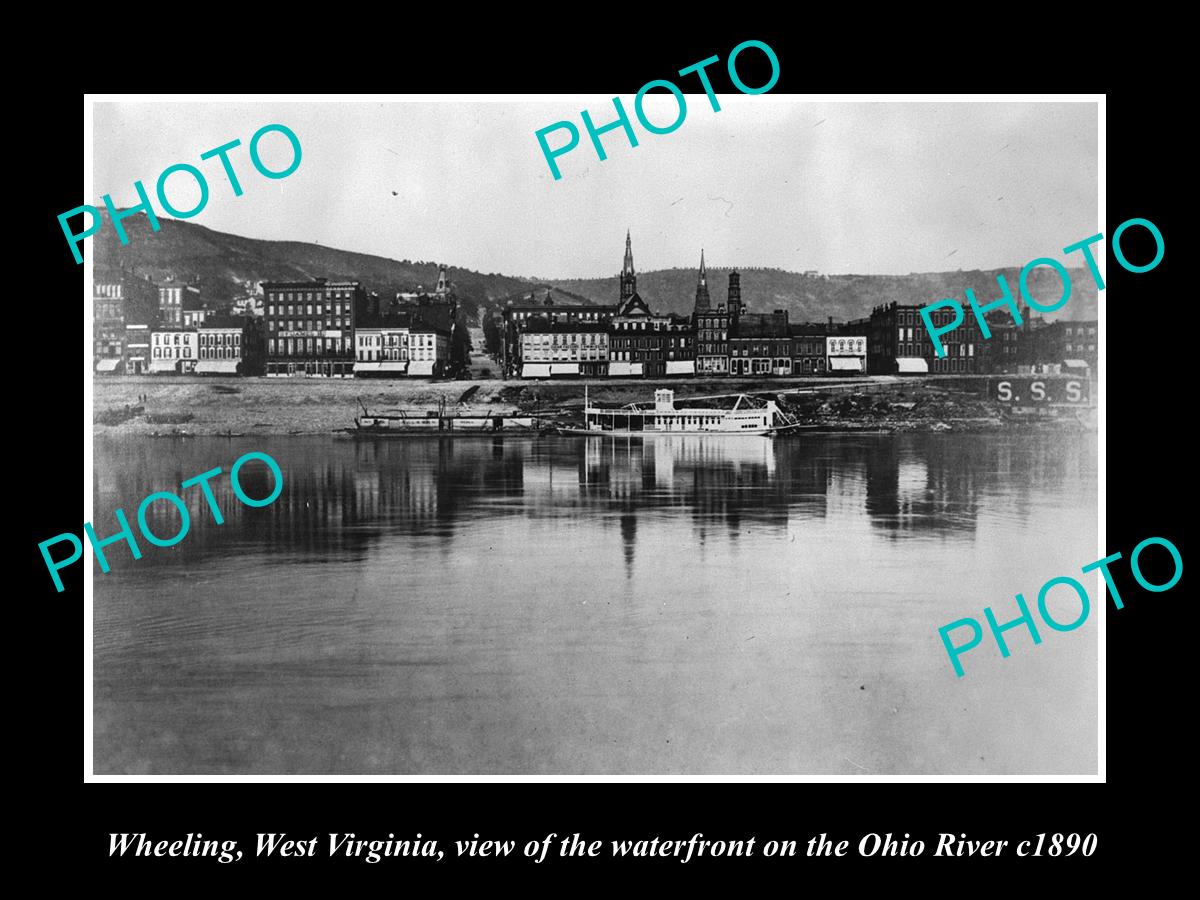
x,y
564,605
342,496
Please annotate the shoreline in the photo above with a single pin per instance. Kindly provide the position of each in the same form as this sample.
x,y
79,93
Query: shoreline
x,y
234,407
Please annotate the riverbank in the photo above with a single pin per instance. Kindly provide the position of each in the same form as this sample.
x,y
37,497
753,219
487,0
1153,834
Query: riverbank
x,y
218,406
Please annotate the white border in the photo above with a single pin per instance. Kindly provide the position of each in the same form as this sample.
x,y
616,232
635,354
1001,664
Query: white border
x,y
88,191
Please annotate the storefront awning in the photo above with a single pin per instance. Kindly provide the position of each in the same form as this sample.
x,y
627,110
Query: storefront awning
x,y
1076,364
162,365
635,368
387,365
108,365
564,368
681,367
849,364
421,367
912,365
217,367
535,370
618,369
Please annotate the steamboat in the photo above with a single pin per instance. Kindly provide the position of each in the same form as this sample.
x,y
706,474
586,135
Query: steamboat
x,y
749,416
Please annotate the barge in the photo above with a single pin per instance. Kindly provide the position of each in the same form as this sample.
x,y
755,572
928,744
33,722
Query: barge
x,y
401,423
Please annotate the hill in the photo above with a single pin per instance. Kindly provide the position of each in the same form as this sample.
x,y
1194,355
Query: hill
x,y
224,261
184,250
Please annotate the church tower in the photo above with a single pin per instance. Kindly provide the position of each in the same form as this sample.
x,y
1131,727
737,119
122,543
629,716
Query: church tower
x,y
628,278
702,299
443,286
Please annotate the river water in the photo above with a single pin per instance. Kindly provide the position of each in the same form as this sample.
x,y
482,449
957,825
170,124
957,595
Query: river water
x,y
571,605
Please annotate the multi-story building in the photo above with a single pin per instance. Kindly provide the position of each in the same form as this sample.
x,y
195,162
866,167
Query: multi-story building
x,y
638,340
137,349
961,346
847,354
381,347
108,326
1080,341
310,327
809,352
520,316
1005,350
173,350
679,346
175,296
194,311
429,350
119,299
1072,344
221,346
712,341
761,344
899,343
713,325
641,343
569,349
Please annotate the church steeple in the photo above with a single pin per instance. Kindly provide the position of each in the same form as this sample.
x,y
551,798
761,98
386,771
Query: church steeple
x,y
628,277
442,285
702,299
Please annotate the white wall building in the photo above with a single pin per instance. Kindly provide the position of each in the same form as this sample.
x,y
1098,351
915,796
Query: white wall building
x,y
382,349
429,351
846,353
173,350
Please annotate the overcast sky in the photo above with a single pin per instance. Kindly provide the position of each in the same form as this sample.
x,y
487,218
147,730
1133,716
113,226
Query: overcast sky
x,y
867,188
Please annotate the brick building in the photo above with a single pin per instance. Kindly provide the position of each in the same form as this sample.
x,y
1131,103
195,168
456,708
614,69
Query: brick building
x,y
119,299
310,327
899,343
173,297
714,325
808,348
761,344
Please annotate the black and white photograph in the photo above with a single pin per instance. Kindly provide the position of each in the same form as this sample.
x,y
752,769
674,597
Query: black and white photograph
x,y
466,436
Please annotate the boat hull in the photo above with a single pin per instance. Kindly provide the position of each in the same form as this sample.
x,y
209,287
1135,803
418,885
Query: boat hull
x,y
592,432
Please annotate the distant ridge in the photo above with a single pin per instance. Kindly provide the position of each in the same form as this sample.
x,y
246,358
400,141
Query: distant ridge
x,y
222,261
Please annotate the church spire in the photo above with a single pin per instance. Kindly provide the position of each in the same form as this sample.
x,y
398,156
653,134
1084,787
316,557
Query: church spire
x,y
442,287
702,299
628,278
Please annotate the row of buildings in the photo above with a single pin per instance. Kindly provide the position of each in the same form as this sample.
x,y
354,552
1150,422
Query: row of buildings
x,y
545,340
336,329
318,328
